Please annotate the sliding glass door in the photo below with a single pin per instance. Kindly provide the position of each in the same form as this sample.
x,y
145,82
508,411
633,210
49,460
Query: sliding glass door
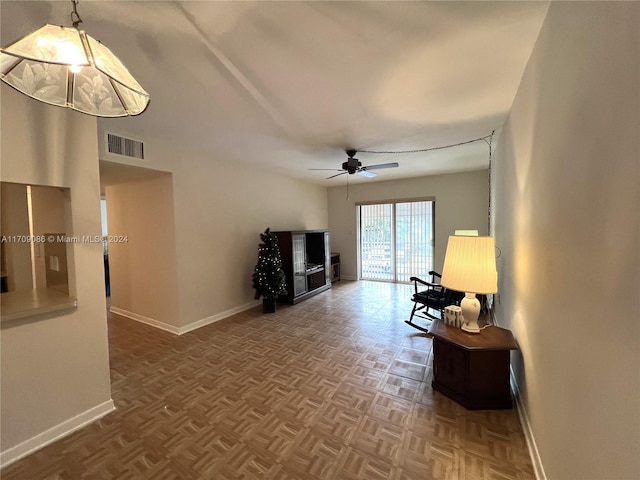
x,y
376,242
395,240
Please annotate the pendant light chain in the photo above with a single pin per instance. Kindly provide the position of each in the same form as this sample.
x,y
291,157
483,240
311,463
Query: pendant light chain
x,y
75,17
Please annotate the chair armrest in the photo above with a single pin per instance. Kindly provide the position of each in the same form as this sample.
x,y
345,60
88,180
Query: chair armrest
x,y
422,282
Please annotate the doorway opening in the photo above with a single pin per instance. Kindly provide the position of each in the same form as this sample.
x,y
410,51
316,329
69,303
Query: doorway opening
x,y
105,245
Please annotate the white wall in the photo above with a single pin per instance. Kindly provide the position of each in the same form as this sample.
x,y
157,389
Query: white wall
x,y
142,253
15,221
566,174
50,216
220,208
56,366
461,203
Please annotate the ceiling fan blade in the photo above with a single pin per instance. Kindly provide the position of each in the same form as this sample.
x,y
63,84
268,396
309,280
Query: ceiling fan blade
x,y
336,175
364,173
327,169
381,165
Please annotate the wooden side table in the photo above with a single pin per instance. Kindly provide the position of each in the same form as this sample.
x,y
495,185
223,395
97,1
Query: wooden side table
x,y
472,368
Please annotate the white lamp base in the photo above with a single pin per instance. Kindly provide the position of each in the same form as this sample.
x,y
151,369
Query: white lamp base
x,y
471,328
470,312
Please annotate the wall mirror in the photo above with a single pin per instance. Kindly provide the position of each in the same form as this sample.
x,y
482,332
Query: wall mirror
x,y
36,251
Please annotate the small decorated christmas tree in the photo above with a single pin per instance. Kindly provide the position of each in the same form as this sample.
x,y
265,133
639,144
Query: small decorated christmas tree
x,y
268,276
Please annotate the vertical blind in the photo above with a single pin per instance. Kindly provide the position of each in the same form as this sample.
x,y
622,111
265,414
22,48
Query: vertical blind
x,y
376,242
396,240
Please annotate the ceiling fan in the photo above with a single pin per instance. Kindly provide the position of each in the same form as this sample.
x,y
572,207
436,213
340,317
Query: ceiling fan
x,y
353,165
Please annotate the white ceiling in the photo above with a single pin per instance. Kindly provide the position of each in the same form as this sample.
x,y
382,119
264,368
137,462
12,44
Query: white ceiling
x,y
290,85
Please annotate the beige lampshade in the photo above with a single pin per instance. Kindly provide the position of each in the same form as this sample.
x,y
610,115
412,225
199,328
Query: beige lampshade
x,y
66,67
470,265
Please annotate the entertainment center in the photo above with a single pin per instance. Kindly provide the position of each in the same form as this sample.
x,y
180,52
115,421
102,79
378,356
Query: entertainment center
x,y
306,261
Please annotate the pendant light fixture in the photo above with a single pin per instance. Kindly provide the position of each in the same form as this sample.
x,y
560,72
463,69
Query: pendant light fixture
x,y
65,66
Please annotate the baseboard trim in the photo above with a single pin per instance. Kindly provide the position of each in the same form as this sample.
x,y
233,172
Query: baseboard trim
x,y
348,277
187,328
528,432
146,320
61,430
217,317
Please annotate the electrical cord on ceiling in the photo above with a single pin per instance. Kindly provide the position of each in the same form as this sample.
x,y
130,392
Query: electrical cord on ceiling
x,y
490,137
489,204
490,303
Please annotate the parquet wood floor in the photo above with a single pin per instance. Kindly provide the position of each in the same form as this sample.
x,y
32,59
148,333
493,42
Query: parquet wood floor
x,y
336,387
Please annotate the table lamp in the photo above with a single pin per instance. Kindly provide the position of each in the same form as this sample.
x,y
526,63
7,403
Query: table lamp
x,y
470,267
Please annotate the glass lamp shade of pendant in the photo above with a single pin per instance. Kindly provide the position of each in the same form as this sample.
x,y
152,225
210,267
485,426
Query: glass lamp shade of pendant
x,y
64,66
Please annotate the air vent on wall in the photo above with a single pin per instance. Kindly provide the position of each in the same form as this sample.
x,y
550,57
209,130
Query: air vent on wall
x,y
124,146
